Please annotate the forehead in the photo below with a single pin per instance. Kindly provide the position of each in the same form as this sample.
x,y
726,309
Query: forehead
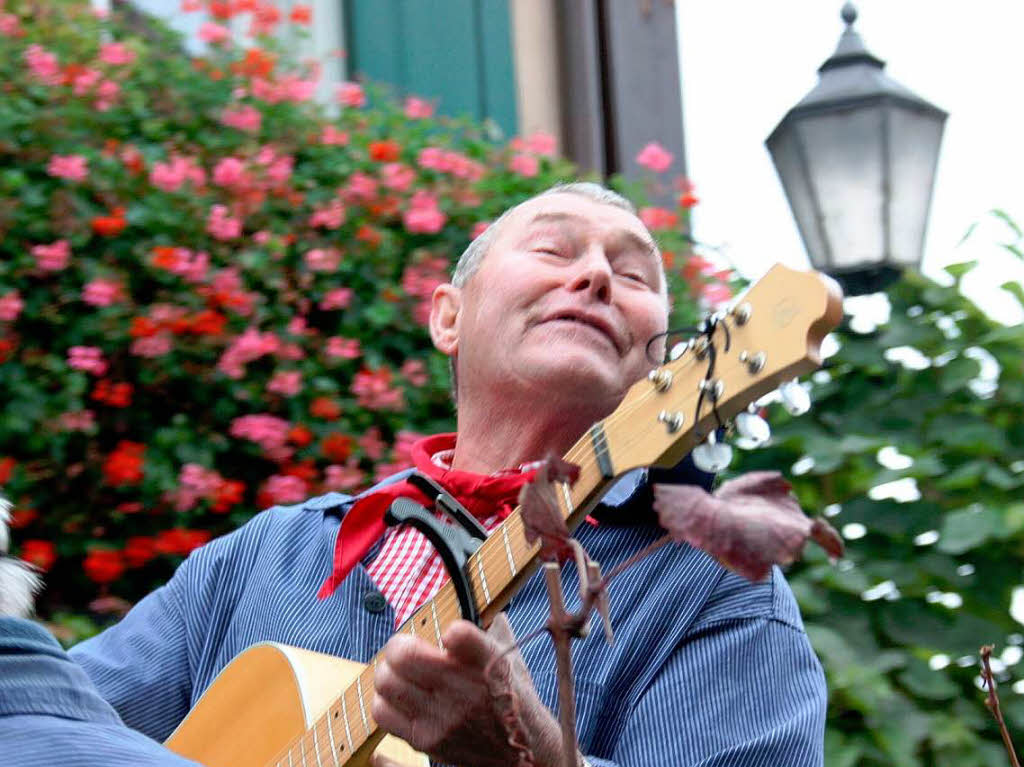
x,y
576,212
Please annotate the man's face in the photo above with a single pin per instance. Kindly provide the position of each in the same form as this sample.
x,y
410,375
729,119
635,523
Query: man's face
x,y
564,302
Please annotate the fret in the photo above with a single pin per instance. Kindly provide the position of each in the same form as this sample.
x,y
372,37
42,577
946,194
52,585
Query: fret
x,y
483,578
437,625
508,550
330,737
568,498
344,718
362,705
290,763
316,746
302,751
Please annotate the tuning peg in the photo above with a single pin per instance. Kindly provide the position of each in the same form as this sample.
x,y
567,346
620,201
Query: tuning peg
x,y
753,430
795,398
712,456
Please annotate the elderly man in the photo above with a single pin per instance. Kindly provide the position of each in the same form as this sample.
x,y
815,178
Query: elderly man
x,y
546,320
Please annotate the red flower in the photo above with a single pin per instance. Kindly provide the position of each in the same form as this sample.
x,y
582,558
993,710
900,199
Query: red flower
x,y
23,518
6,347
688,200
124,465
42,554
6,469
207,323
324,407
113,394
103,565
180,541
369,235
304,470
384,151
139,550
336,447
228,493
143,327
302,14
110,226
221,9
300,435
257,63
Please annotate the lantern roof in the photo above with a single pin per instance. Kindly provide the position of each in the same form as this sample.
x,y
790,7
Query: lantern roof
x,y
853,74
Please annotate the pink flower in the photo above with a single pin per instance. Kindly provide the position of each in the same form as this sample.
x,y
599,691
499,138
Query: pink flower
x,y
169,176
343,478
295,89
10,306
151,347
323,259
479,228
230,173
525,165
245,118
52,257
658,218
280,169
541,143
417,108
330,216
397,176
331,136
371,443
284,488
423,216
432,158
286,382
213,33
195,483
715,293
106,94
655,157
360,188
249,346
337,298
79,420
101,292
43,64
116,54
351,95
221,226
73,167
9,26
415,373
343,348
375,390
84,81
87,358
267,431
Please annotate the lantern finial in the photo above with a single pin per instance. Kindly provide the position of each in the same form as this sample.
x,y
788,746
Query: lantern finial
x,y
849,14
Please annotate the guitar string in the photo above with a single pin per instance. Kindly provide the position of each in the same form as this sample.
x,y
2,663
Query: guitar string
x,y
581,451
450,611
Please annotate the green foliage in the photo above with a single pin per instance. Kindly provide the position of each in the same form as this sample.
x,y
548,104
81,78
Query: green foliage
x,y
213,293
933,576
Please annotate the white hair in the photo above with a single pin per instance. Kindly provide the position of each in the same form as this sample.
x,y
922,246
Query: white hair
x,y
18,581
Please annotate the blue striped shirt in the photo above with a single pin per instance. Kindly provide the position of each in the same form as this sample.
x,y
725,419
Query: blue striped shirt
x,y
707,669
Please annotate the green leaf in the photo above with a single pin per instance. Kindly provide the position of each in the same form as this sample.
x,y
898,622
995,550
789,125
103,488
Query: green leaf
x,y
1015,289
965,529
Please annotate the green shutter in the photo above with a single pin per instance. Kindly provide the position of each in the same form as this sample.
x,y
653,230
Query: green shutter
x,y
455,52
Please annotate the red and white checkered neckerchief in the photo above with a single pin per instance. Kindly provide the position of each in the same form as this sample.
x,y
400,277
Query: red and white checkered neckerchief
x,y
407,569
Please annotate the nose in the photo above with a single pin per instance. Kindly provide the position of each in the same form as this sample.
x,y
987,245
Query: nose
x,y
593,275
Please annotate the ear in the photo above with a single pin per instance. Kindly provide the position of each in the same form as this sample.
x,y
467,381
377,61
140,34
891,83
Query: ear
x,y
445,305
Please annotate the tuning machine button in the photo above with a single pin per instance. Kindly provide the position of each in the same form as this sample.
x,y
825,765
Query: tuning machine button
x,y
795,398
712,456
662,379
714,388
753,430
754,362
673,421
741,312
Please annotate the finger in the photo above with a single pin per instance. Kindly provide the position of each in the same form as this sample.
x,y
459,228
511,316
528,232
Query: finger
x,y
389,718
418,662
408,697
468,646
379,760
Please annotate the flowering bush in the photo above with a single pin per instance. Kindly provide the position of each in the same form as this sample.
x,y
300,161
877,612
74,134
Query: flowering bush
x,y
213,297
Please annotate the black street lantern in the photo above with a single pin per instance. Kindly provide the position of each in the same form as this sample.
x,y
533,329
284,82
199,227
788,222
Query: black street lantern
x,y
857,160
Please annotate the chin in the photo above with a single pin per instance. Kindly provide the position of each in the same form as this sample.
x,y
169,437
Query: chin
x,y
580,375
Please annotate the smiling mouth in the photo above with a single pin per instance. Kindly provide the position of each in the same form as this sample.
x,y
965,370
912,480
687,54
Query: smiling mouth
x,y
580,322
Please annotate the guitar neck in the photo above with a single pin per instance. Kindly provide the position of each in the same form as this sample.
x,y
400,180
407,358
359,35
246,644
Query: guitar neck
x,y
496,571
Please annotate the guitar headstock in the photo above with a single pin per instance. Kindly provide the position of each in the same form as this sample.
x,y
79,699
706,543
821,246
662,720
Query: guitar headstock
x,y
771,334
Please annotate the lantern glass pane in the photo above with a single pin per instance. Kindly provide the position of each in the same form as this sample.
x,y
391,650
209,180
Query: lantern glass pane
x,y
914,141
792,173
844,153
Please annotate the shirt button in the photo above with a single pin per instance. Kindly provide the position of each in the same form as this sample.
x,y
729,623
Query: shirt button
x,y
374,602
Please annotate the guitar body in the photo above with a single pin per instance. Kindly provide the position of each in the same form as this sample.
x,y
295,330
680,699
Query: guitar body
x,y
266,698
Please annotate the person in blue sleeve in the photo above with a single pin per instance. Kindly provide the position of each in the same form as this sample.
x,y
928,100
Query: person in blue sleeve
x,y
547,321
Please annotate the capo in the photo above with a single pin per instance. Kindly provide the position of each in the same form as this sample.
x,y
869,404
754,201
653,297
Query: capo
x,y
455,543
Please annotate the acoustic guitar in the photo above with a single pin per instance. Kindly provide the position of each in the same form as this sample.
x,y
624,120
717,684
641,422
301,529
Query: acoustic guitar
x,y
280,706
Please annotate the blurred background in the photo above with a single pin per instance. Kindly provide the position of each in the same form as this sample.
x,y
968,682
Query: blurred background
x,y
222,221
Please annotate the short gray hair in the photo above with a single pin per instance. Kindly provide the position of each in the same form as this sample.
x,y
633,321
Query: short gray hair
x,y
473,255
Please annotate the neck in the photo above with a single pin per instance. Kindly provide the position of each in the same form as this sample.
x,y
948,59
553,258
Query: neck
x,y
504,432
